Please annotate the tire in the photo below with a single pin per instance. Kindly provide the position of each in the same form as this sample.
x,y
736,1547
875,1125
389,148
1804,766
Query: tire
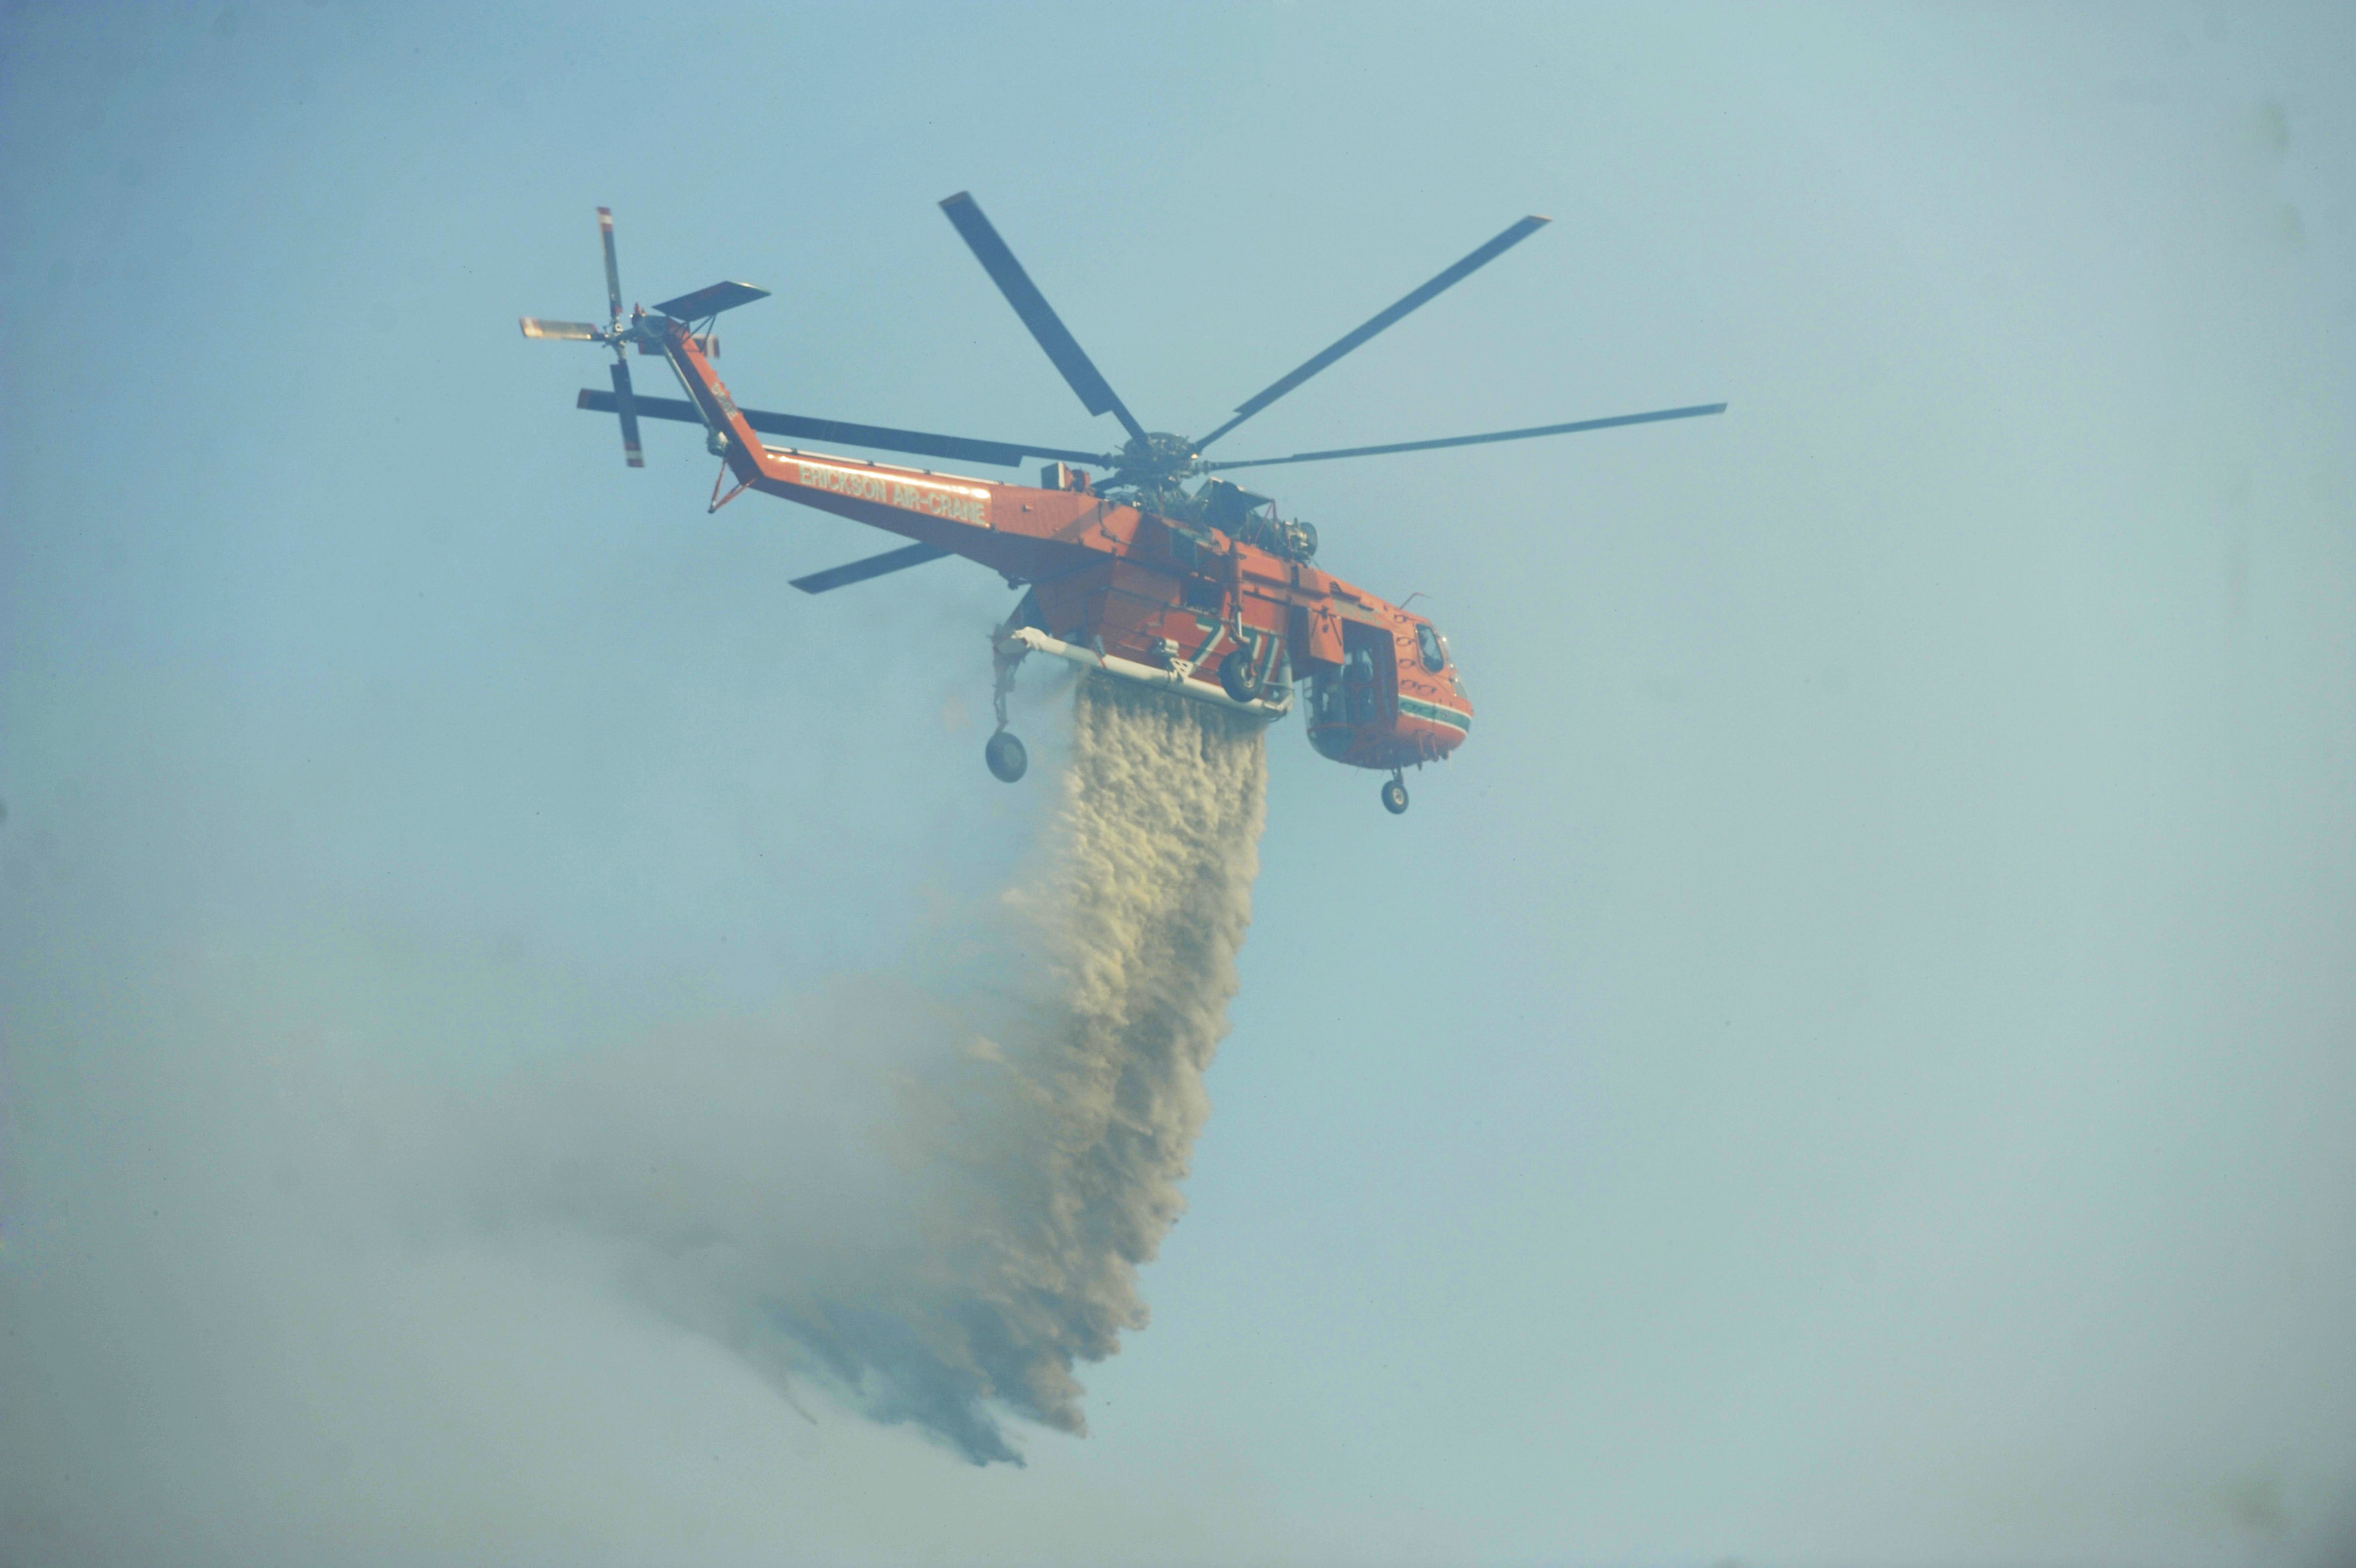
x,y
1006,757
1236,675
1394,797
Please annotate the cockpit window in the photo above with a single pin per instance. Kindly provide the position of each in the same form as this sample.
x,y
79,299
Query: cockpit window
x,y
1435,657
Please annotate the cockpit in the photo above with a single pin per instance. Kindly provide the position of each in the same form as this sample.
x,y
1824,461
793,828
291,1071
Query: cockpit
x,y
1393,698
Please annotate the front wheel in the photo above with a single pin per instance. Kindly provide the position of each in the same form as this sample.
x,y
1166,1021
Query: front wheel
x,y
1006,757
1394,797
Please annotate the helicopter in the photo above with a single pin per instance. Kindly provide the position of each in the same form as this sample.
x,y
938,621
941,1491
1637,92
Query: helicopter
x,y
1203,591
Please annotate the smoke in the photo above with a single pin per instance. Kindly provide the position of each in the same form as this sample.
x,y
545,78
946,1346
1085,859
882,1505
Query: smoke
x,y
931,1192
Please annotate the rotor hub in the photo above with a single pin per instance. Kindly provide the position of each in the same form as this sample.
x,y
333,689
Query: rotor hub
x,y
1157,461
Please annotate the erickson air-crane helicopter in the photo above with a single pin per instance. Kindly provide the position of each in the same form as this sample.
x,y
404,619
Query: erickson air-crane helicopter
x,y
1131,574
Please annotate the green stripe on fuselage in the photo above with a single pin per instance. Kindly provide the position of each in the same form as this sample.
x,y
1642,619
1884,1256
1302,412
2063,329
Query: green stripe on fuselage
x,y
1417,708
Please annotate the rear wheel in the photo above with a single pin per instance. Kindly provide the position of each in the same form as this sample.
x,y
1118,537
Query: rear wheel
x,y
1006,757
1394,797
1236,675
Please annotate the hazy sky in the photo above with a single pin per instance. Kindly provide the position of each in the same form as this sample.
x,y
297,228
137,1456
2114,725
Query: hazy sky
x,y
1855,1062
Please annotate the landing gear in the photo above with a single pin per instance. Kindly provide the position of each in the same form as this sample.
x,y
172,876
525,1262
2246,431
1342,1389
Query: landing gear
x,y
1236,675
1008,759
1005,753
1394,796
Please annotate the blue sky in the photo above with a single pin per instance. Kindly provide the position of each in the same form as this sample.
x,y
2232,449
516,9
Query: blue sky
x,y
1850,1064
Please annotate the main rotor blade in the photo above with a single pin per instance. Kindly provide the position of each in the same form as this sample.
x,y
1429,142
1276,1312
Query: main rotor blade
x,y
898,560
568,331
1693,413
1096,394
1448,279
626,406
882,439
612,272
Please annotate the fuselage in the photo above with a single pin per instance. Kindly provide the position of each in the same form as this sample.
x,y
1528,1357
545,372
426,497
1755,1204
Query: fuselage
x,y
1380,688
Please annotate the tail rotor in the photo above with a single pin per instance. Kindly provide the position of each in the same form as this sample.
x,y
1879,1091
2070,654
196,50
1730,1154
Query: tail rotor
x,y
654,329
616,334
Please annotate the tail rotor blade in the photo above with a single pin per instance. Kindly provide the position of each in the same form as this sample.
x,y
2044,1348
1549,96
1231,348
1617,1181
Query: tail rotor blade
x,y
567,331
613,272
1078,369
626,405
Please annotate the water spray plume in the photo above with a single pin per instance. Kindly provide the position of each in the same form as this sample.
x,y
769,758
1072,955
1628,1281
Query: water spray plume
x,y
1157,845
934,1198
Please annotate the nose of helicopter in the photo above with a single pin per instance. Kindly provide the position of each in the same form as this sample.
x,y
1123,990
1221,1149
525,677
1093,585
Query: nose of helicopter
x,y
1446,721
1435,712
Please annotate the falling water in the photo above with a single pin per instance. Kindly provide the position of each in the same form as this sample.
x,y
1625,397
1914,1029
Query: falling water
x,y
935,1198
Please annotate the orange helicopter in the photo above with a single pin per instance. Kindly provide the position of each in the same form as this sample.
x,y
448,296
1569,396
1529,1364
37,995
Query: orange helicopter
x,y
1205,592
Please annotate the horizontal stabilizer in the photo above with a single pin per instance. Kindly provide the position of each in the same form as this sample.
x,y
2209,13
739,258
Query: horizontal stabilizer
x,y
874,566
711,301
883,438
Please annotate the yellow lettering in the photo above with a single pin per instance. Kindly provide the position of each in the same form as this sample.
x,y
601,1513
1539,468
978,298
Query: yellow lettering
x,y
910,494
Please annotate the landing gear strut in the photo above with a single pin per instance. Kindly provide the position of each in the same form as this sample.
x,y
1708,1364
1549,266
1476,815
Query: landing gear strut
x,y
1395,795
1005,753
